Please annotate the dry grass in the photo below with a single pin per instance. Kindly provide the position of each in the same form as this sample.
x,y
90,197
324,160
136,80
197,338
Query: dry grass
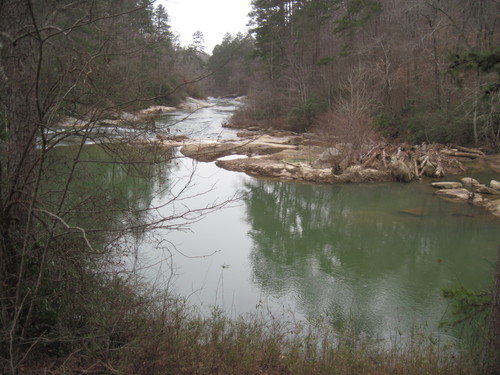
x,y
171,339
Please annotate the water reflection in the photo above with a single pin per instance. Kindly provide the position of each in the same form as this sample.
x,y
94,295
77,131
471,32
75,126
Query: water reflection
x,y
374,254
110,190
366,253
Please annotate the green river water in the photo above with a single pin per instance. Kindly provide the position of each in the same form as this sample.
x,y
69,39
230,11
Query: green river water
x,y
374,255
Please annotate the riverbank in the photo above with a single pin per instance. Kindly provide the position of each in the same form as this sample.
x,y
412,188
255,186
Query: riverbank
x,y
307,158
137,336
313,158
167,338
116,117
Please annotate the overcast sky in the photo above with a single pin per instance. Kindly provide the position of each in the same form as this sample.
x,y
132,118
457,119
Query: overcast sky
x,y
214,18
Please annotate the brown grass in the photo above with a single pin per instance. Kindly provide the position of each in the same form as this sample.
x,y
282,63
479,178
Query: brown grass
x,y
171,339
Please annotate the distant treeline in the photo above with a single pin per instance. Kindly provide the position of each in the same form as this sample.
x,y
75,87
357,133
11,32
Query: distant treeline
x,y
419,70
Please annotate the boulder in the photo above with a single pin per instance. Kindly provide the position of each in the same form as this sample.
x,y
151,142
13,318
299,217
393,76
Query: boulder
x,y
157,109
455,194
495,185
470,183
478,200
494,207
447,185
401,171
483,189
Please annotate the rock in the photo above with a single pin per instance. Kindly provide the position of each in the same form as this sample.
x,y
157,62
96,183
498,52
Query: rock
x,y
300,171
194,104
494,207
470,183
278,169
478,200
401,171
483,189
456,194
447,185
327,159
495,185
207,152
157,109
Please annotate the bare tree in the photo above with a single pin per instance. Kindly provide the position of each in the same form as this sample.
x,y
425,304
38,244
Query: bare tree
x,y
58,237
350,124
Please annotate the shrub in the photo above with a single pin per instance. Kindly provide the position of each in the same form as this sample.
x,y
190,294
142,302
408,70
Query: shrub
x,y
302,114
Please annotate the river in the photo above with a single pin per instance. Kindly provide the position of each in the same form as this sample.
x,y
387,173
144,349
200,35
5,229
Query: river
x,y
372,255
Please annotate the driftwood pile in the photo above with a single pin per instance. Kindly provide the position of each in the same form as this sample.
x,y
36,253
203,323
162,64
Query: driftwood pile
x,y
405,162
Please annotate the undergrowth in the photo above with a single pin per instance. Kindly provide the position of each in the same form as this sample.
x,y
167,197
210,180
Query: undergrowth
x,y
169,337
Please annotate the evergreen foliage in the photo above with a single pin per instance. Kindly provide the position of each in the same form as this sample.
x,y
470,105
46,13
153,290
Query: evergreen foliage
x,y
232,64
308,48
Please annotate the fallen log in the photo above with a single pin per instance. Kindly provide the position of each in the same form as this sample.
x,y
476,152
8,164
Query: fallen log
x,y
370,160
469,150
461,154
424,161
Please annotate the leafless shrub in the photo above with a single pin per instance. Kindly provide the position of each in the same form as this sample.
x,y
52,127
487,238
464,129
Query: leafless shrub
x,y
349,125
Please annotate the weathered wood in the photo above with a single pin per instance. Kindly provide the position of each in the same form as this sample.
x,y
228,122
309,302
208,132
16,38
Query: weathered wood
x,y
370,160
469,150
415,167
424,161
460,154
447,185
384,156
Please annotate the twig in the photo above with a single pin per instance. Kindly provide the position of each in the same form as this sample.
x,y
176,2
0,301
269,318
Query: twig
x,y
61,220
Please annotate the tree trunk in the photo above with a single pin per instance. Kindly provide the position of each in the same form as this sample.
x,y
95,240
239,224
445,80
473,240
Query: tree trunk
x,y
19,99
20,91
476,106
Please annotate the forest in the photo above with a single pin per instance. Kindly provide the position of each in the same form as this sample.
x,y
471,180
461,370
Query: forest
x,y
421,71
416,71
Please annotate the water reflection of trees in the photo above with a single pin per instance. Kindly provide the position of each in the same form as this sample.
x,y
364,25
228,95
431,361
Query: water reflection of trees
x,y
354,252
110,190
